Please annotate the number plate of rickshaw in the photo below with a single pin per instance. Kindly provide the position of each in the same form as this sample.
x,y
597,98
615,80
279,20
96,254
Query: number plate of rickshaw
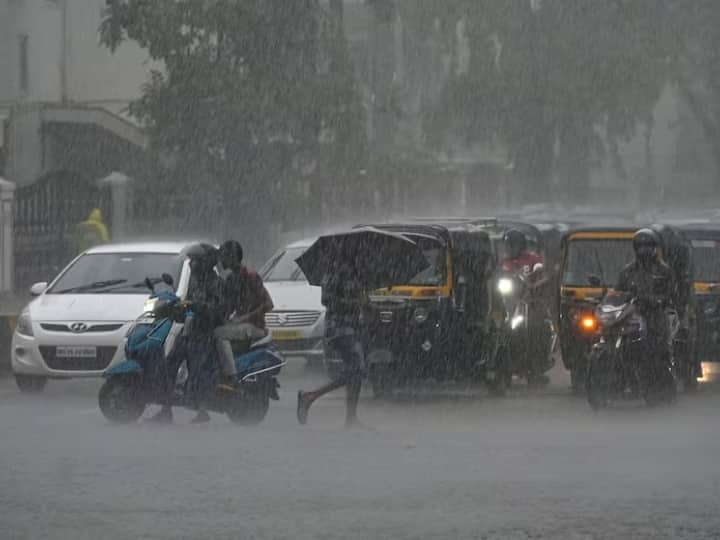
x,y
75,352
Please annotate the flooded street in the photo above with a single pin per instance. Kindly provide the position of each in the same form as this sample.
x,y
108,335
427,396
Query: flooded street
x,y
534,464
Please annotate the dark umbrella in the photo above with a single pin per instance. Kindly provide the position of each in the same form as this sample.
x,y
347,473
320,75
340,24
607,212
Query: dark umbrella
x,y
378,258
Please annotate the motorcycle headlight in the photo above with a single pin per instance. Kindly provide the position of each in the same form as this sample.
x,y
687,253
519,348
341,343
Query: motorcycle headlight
x,y
710,308
505,286
516,321
24,324
420,315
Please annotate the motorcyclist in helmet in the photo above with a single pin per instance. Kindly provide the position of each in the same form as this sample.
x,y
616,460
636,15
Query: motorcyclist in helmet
x,y
204,299
651,281
247,302
676,252
519,258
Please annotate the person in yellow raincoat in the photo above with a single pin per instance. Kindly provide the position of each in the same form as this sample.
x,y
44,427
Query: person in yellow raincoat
x,y
92,231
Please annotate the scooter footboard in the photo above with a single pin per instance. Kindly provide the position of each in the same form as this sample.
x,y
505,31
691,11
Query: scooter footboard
x,y
266,360
123,368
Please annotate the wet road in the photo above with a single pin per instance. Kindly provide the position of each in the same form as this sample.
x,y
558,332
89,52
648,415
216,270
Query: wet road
x,y
531,465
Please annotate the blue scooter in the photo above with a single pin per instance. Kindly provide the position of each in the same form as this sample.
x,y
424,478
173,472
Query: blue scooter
x,y
151,348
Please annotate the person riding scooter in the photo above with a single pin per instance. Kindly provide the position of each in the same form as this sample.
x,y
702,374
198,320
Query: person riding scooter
x,y
247,302
205,301
518,257
520,261
651,281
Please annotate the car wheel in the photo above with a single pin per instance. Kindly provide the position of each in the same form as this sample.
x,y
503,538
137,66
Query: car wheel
x,y
29,384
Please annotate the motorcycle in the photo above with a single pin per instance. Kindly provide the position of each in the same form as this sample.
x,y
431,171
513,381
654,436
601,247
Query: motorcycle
x,y
533,336
151,348
621,364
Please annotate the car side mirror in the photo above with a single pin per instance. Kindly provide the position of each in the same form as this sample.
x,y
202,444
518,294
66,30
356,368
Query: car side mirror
x,y
594,280
38,288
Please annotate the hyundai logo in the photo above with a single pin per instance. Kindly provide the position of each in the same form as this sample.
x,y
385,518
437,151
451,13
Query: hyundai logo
x,y
282,319
79,327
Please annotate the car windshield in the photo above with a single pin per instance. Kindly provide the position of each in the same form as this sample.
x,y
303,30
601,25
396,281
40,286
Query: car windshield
x,y
282,267
436,273
603,258
706,260
116,273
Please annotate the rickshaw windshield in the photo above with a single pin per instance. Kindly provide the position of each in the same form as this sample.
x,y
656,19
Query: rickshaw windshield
x,y
435,275
706,260
603,258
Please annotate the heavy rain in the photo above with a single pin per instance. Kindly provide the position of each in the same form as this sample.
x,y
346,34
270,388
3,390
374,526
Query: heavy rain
x,y
359,269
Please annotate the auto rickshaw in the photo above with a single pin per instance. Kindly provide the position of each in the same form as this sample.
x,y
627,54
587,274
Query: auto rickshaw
x,y
448,323
590,263
705,244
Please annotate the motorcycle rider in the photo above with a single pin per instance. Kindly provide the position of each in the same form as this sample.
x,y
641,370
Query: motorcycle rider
x,y
677,253
204,299
343,298
519,258
247,302
651,281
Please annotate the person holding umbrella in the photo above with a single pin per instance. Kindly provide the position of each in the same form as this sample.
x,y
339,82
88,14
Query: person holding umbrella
x,y
343,297
345,266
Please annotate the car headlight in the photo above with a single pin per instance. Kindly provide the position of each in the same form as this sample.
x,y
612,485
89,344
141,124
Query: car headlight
x,y
420,315
24,324
505,286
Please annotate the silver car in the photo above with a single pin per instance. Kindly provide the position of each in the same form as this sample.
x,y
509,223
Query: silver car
x,y
297,323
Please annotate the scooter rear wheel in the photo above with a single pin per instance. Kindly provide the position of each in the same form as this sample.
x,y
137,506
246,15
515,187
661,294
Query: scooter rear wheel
x,y
249,410
118,401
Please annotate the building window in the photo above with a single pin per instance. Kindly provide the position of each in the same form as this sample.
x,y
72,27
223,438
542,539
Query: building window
x,y
23,64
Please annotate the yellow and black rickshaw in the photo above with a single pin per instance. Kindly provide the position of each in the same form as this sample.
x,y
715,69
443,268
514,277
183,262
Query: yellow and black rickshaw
x,y
590,263
447,323
705,245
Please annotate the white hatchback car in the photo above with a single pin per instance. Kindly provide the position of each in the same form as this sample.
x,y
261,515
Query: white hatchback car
x,y
76,325
297,322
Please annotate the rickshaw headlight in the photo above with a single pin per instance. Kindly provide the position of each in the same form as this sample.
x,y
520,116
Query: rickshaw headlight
x,y
505,286
420,315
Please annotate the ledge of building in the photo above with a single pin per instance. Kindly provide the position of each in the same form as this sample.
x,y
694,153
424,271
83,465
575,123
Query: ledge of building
x,y
96,116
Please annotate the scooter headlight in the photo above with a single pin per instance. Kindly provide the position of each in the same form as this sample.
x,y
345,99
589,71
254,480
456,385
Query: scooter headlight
x,y
505,286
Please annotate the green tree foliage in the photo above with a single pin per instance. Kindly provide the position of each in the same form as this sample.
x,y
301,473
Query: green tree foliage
x,y
694,27
558,81
241,100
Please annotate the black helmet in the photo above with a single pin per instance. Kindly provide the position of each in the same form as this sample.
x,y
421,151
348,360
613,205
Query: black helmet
x,y
201,255
515,242
646,243
231,253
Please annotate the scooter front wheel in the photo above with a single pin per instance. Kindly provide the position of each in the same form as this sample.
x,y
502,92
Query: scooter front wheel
x,y
119,402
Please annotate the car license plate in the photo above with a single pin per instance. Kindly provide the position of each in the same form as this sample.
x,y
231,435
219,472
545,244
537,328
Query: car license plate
x,y
285,334
76,352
